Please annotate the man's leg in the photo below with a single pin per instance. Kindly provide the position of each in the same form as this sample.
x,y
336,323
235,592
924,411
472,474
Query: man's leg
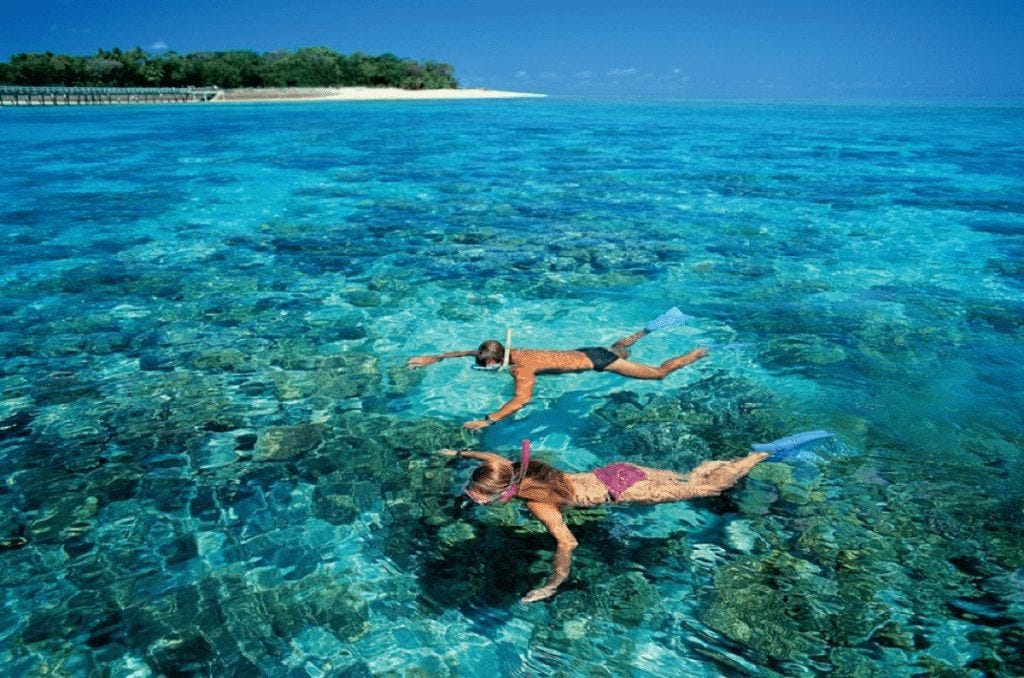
x,y
640,371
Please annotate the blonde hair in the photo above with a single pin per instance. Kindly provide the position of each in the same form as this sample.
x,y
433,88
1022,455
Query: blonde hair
x,y
494,477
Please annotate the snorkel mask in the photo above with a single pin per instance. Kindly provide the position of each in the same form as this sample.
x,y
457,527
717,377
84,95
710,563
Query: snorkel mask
x,y
513,487
504,361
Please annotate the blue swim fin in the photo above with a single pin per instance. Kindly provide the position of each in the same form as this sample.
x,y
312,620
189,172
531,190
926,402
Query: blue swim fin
x,y
669,318
787,447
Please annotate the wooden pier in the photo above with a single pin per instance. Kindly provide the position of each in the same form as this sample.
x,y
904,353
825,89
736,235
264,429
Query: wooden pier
x,y
18,95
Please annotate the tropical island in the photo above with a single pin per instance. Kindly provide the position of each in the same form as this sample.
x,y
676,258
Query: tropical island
x,y
245,75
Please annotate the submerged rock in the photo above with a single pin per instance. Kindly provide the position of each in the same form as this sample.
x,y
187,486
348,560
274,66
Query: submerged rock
x,y
630,597
334,507
456,532
153,361
63,387
365,298
403,381
420,435
349,331
223,360
319,598
771,603
347,375
287,442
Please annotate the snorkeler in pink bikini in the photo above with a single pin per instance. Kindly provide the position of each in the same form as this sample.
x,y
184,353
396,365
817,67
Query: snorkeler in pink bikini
x,y
548,491
526,364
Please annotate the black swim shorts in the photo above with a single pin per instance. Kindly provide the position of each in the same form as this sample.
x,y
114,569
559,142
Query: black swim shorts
x,y
600,356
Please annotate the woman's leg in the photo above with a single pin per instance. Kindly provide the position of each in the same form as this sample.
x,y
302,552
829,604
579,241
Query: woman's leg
x,y
640,371
709,479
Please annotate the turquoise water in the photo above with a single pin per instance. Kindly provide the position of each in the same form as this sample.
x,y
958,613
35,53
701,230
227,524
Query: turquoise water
x,y
215,462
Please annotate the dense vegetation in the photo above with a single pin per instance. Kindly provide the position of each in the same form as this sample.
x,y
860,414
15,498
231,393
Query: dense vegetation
x,y
306,67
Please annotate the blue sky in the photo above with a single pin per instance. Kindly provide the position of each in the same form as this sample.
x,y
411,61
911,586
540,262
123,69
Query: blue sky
x,y
706,48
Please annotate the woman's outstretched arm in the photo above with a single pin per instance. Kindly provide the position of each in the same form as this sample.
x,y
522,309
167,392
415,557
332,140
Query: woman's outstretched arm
x,y
552,519
473,454
424,360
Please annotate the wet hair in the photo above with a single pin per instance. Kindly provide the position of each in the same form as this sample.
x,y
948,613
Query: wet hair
x,y
490,350
491,478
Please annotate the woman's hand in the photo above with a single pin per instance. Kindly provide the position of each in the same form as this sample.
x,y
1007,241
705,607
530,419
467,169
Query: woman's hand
x,y
476,424
420,361
538,594
551,516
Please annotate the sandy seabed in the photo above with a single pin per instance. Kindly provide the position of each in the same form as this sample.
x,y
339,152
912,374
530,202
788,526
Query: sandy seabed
x,y
361,94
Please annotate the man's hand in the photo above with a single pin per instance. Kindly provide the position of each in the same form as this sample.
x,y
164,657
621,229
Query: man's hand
x,y
538,594
420,361
448,453
476,424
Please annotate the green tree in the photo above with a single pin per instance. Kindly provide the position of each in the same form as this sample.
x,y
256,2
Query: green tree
x,y
306,67
133,64
280,69
33,69
178,70
248,65
439,75
103,69
319,66
153,74
216,71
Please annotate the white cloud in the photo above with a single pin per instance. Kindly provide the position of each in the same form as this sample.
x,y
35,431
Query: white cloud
x,y
619,72
521,74
158,45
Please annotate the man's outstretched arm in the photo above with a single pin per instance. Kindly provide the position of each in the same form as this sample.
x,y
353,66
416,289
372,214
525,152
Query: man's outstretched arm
x,y
424,360
525,379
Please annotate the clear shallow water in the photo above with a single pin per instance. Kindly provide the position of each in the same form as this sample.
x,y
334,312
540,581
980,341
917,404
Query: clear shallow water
x,y
215,462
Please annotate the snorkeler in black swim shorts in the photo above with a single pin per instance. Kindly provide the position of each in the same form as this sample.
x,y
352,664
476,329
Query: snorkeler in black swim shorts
x,y
525,364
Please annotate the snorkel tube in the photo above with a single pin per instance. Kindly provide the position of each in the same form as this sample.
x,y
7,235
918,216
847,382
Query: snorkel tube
x,y
504,364
524,463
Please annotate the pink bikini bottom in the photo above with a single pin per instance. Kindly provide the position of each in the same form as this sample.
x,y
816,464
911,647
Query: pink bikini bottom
x,y
619,477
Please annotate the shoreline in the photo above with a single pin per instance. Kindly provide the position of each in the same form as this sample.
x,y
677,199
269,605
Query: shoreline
x,y
286,94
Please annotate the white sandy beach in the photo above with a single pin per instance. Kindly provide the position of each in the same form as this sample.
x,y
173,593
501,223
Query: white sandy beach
x,y
361,94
